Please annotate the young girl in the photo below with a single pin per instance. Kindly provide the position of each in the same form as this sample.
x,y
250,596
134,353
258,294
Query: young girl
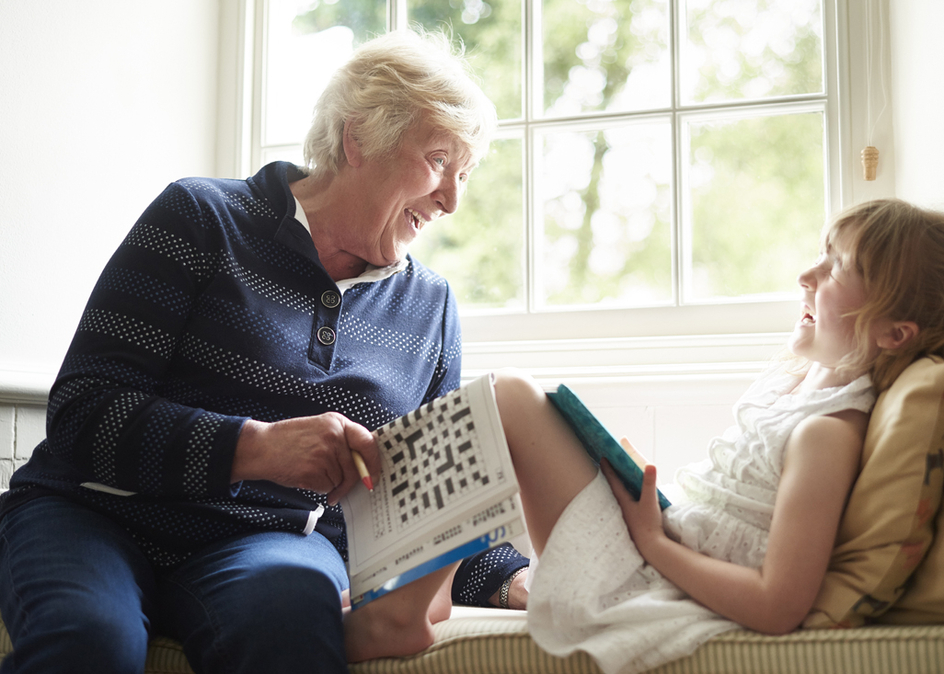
x,y
750,544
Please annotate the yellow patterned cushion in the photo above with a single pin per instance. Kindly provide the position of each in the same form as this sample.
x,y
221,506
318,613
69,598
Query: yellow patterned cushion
x,y
923,601
888,524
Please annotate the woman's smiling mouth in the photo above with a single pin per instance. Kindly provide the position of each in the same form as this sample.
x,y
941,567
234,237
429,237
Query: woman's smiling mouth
x,y
417,220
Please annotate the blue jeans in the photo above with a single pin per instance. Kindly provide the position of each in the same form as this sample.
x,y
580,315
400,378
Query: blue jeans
x,y
77,595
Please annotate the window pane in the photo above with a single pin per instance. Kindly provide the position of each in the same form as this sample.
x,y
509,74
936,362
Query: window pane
x,y
756,202
480,247
305,44
607,207
605,55
748,49
491,32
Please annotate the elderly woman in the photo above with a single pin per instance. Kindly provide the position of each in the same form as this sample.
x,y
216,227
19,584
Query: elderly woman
x,y
236,349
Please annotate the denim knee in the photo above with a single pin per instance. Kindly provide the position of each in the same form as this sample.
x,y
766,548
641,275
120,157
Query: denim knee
x,y
76,630
66,636
74,591
266,603
287,603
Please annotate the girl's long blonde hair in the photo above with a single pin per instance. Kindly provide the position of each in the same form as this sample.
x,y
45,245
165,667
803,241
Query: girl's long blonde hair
x,y
898,249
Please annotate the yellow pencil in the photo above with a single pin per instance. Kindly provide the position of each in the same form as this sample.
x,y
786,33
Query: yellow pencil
x,y
362,470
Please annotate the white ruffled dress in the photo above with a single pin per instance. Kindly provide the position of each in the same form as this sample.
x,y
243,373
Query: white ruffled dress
x,y
592,590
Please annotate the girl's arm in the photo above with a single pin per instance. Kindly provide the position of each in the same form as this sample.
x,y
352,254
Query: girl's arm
x,y
820,465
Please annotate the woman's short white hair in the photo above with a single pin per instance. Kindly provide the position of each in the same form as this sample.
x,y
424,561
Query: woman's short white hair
x,y
386,86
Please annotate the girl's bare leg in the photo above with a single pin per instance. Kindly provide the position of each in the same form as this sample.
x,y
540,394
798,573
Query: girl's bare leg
x,y
400,623
550,463
552,468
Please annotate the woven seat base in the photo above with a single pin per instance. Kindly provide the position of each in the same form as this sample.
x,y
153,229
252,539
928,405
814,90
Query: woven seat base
x,y
486,641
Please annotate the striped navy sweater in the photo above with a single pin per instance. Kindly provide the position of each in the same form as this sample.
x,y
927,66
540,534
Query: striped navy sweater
x,y
209,313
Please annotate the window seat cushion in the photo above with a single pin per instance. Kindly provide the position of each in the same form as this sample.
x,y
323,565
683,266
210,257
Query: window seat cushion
x,y
492,641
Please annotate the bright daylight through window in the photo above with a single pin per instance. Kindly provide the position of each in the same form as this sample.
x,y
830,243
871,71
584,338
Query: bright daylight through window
x,y
652,153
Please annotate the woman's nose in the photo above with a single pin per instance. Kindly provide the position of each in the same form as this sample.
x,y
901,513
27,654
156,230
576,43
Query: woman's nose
x,y
448,197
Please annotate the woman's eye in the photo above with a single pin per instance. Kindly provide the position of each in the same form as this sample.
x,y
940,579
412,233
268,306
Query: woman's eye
x,y
439,161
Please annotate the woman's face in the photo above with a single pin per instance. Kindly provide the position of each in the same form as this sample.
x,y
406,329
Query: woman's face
x,y
422,181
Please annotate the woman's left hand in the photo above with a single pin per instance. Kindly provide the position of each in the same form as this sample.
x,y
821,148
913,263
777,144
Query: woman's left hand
x,y
643,517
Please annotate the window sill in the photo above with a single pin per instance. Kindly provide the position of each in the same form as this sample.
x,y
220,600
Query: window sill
x,y
672,358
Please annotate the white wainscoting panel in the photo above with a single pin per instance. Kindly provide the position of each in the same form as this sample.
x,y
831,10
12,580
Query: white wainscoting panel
x,y
670,420
30,429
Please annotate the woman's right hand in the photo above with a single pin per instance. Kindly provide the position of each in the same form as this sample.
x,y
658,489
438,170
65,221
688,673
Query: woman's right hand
x,y
306,452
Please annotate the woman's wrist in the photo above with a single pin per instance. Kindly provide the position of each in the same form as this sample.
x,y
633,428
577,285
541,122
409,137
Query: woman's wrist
x,y
247,449
512,593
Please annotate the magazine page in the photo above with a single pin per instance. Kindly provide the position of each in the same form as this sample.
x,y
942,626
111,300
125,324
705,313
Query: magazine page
x,y
446,480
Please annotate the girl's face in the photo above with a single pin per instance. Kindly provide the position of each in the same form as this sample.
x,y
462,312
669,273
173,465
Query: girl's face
x,y
832,288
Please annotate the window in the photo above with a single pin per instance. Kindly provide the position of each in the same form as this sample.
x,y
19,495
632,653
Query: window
x,y
663,167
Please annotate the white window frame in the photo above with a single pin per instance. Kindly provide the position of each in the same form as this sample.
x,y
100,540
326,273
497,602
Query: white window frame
x,y
692,339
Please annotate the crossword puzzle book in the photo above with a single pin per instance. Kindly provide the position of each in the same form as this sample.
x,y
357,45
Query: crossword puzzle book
x,y
598,441
447,490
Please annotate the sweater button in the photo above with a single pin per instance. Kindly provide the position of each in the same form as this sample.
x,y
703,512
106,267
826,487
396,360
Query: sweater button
x,y
326,336
330,299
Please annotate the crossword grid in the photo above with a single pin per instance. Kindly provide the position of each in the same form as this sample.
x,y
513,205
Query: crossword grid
x,y
441,459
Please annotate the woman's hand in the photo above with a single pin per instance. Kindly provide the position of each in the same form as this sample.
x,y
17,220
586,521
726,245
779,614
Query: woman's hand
x,y
306,452
643,517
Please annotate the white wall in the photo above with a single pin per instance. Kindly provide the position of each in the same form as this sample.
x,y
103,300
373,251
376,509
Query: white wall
x,y
917,100
870,114
102,103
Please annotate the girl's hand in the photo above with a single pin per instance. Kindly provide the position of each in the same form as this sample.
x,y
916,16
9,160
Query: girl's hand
x,y
643,517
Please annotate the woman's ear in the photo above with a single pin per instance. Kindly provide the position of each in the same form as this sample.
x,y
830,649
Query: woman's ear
x,y
352,149
896,334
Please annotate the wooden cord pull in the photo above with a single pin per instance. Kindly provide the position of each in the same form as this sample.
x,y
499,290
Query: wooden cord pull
x,y
869,162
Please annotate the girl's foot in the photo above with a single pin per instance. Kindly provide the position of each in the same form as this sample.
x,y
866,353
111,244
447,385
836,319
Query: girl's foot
x,y
400,623
374,632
